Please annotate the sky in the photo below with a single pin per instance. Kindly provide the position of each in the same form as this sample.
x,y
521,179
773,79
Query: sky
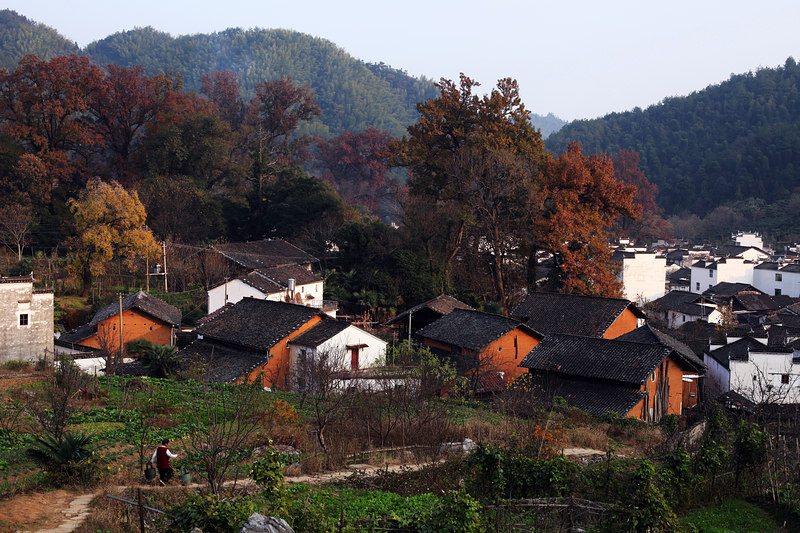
x,y
575,59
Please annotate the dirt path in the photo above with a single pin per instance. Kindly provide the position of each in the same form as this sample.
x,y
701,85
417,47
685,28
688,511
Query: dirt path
x,y
63,511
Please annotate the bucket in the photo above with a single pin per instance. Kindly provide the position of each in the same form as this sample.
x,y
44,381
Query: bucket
x,y
149,472
186,478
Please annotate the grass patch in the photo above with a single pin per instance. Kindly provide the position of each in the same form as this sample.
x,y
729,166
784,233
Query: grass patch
x,y
733,516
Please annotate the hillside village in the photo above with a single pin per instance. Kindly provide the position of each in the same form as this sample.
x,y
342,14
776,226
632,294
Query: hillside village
x,y
341,298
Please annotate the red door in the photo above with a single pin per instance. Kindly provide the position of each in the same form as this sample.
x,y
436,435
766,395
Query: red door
x,y
353,358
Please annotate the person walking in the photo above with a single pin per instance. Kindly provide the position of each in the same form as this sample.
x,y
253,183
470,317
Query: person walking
x,y
161,458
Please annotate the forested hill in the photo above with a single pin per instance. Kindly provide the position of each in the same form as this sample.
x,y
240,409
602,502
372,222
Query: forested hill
x,y
353,95
20,36
736,140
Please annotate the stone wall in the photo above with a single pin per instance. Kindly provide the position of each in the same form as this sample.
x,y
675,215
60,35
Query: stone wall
x,y
26,321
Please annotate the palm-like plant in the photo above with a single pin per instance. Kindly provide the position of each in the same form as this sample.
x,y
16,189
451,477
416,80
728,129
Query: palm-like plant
x,y
159,360
68,459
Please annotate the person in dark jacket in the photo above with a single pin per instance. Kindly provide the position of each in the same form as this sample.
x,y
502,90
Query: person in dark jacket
x,y
161,458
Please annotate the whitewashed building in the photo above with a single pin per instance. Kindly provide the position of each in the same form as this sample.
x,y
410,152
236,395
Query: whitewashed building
x,y
776,279
26,320
752,368
706,274
290,283
643,275
746,238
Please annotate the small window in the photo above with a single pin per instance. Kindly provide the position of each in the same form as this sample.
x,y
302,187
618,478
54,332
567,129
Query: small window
x,y
653,377
698,285
710,273
784,379
777,292
778,277
23,319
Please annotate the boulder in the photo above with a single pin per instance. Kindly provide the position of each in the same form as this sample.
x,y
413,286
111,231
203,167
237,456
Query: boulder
x,y
258,523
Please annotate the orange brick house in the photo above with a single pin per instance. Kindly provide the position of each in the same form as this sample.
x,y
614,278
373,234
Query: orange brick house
x,y
142,317
644,380
574,314
250,340
481,342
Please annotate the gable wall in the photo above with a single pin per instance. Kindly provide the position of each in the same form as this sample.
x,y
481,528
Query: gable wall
x,y
625,322
506,356
277,372
674,380
135,325
234,290
31,342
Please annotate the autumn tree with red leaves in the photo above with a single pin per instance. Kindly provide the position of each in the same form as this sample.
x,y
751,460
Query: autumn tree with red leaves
x,y
357,165
275,113
124,104
222,88
581,201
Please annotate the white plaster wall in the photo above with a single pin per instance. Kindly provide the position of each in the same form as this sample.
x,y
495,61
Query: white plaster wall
x,y
702,279
367,357
735,270
34,340
235,290
764,280
760,378
643,277
716,380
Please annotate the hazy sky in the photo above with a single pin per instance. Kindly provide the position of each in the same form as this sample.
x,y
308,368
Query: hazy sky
x,y
579,59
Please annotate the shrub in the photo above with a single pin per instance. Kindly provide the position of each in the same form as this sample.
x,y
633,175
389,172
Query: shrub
x,y
15,365
456,511
669,423
211,514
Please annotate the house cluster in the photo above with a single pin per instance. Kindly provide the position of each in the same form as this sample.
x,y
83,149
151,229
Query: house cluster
x,y
267,317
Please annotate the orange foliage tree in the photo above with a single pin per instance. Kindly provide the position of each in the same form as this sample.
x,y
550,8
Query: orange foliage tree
x,y
582,198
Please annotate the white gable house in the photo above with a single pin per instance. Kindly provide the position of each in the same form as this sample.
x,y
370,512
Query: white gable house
x,y
290,283
26,320
706,274
642,275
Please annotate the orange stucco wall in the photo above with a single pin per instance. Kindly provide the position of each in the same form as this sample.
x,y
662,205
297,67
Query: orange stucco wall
x,y
277,371
135,325
675,381
507,355
624,323
503,353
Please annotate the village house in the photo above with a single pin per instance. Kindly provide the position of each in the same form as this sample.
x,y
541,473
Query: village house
x,y
644,380
136,316
407,323
481,344
642,274
26,320
271,269
754,368
778,279
680,280
706,274
679,307
591,316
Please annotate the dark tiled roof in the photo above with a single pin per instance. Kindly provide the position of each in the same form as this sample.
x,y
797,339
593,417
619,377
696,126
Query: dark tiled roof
x,y
682,274
595,358
740,350
220,363
323,331
549,312
143,302
727,289
755,302
594,397
276,279
767,265
264,254
734,250
442,304
257,324
647,334
673,300
792,267
469,329
78,334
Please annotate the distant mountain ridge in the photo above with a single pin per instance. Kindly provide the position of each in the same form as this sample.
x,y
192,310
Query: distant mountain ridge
x,y
730,142
352,95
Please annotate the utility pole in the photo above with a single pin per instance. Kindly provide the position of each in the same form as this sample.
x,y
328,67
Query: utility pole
x,y
164,248
120,328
